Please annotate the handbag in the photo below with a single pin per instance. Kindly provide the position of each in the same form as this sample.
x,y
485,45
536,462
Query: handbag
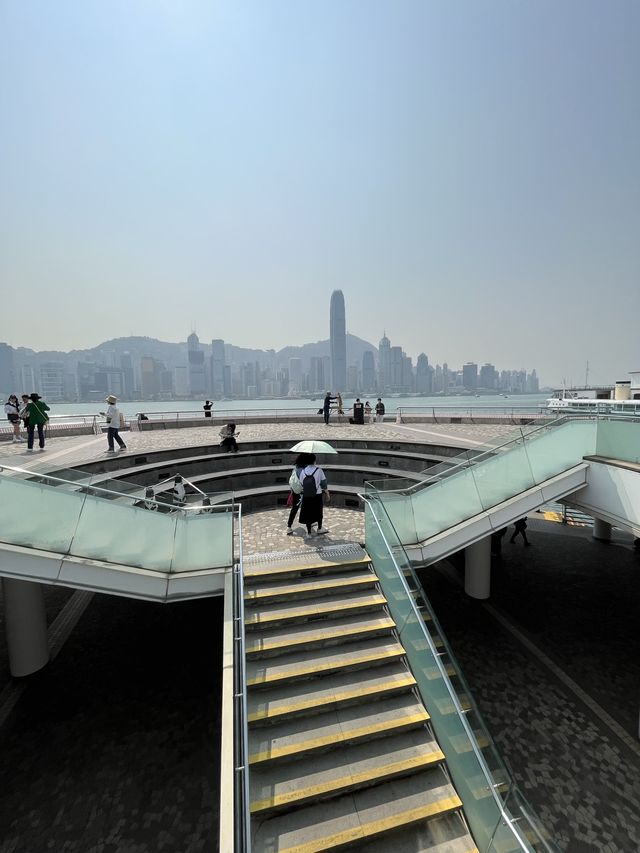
x,y
290,499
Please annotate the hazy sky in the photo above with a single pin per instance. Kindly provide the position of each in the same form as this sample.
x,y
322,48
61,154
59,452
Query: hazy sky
x,y
466,172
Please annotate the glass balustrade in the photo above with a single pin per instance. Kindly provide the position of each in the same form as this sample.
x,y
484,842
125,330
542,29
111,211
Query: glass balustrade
x,y
482,780
74,518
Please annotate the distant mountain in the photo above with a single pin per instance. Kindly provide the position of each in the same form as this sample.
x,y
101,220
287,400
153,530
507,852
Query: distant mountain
x,y
175,354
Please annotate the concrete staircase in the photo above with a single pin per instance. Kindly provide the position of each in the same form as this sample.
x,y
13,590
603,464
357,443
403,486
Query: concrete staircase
x,y
341,751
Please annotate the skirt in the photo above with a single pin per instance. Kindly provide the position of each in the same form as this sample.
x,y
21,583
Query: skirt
x,y
311,510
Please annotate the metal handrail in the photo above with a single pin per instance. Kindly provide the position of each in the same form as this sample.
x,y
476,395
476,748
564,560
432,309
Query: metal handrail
x,y
242,841
87,487
506,818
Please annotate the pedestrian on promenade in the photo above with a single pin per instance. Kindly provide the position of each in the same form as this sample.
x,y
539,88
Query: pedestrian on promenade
x,y
12,411
295,489
37,414
314,495
115,422
520,528
208,405
24,412
379,411
367,412
326,406
228,438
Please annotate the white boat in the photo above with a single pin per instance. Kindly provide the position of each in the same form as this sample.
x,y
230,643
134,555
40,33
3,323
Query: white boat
x,y
592,406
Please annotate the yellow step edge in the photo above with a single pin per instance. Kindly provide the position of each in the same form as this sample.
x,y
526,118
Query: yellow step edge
x,y
311,668
335,698
315,636
351,734
309,610
352,779
377,827
294,613
254,594
309,567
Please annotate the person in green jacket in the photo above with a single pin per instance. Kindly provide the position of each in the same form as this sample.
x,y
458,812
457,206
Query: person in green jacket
x,y
37,417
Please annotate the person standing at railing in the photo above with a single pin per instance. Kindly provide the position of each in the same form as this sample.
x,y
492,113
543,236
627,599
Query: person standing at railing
x,y
379,411
208,405
115,421
37,414
12,411
24,412
367,412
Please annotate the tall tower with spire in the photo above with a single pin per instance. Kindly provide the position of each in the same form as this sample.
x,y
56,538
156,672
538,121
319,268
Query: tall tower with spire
x,y
384,363
338,338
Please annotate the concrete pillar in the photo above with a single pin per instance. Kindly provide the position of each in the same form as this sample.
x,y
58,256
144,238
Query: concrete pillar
x,y
601,530
26,625
477,568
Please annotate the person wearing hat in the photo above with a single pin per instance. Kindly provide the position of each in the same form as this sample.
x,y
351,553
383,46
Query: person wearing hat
x,y
115,420
37,417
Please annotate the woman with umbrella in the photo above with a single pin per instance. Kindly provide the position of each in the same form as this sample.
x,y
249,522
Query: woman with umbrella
x,y
295,497
314,495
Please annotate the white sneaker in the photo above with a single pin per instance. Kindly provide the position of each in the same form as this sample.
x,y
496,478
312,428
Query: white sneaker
x,y
322,530
289,531
41,449
29,449
16,439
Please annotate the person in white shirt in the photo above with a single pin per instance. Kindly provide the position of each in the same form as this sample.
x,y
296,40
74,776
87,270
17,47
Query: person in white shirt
x,y
314,495
12,411
114,419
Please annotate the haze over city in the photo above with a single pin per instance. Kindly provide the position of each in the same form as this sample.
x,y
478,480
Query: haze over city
x,y
466,174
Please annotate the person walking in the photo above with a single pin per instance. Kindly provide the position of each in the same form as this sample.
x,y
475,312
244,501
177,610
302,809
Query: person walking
x,y
37,416
295,494
521,529
228,438
208,405
115,421
12,411
314,495
379,411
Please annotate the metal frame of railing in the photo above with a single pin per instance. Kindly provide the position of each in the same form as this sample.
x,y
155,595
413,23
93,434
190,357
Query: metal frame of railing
x,y
492,784
242,803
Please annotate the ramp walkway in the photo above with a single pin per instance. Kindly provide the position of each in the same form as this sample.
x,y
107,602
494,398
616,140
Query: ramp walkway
x,y
461,504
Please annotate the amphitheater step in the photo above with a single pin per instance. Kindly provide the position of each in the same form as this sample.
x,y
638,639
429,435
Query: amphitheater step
x,y
289,785
308,697
304,736
305,663
315,563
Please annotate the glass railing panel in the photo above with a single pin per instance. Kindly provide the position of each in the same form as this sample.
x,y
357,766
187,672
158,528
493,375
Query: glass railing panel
x,y
119,532
557,449
36,516
482,812
204,540
442,505
619,439
519,822
503,475
400,510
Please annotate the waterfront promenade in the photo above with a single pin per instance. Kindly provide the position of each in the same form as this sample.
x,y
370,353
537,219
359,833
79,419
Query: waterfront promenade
x,y
114,747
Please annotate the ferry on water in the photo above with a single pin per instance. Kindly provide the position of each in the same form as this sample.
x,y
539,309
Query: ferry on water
x,y
621,399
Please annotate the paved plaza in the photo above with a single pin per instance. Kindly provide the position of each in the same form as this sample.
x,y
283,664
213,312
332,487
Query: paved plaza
x,y
114,747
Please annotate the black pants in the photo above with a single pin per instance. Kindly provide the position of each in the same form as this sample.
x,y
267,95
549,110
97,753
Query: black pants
x,y
295,506
326,415
30,434
230,444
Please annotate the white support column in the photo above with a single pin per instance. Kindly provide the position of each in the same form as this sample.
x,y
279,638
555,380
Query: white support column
x,y
601,530
26,624
477,568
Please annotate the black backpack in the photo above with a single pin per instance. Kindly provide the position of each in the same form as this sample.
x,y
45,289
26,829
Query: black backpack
x,y
309,485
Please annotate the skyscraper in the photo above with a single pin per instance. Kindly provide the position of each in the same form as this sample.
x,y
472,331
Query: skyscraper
x,y
338,335
196,365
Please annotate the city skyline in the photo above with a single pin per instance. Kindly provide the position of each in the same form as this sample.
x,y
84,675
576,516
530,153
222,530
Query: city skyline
x,y
466,174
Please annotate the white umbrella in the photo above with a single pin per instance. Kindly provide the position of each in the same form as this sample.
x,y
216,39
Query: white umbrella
x,y
312,447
